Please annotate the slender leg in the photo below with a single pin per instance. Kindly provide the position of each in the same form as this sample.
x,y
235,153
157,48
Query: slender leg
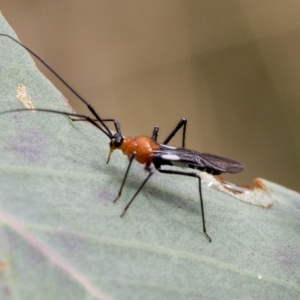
x,y
125,176
139,189
191,174
181,123
155,134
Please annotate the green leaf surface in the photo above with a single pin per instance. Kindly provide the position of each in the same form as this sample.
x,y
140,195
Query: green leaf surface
x,y
62,237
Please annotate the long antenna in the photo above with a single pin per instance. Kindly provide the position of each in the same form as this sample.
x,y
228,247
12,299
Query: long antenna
x,y
89,106
87,118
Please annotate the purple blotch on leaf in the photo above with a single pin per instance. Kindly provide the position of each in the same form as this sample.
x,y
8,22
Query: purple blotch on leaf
x,y
30,146
105,196
287,256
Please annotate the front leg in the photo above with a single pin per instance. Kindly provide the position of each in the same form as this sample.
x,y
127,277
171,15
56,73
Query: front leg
x,y
139,189
125,176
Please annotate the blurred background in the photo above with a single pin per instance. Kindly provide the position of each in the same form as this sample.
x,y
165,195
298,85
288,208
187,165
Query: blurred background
x,y
232,68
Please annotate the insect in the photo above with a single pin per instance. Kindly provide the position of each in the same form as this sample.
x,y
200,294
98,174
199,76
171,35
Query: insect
x,y
146,150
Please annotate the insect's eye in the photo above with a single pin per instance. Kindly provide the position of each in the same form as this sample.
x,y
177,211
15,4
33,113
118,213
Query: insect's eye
x,y
116,141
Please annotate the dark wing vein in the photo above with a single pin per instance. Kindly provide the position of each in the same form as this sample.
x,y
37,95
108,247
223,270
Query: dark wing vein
x,y
199,160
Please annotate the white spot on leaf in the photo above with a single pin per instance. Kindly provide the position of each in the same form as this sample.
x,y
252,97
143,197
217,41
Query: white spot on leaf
x,y
24,98
257,195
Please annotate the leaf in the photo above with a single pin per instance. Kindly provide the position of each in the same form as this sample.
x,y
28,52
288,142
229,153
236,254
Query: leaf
x,y
62,237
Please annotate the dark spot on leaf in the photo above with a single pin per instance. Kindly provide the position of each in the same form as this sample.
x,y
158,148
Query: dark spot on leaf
x,y
17,119
70,241
30,146
105,196
6,291
286,256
